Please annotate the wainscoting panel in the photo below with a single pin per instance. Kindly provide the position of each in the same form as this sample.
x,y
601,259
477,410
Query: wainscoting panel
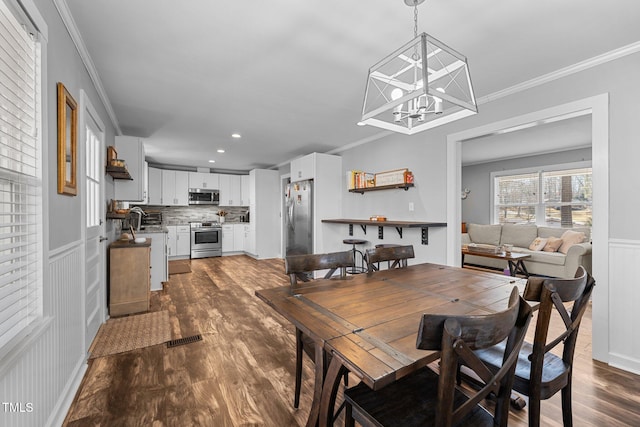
x,y
45,374
624,295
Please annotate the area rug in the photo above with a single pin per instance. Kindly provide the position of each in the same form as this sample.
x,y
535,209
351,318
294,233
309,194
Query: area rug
x,y
180,266
130,333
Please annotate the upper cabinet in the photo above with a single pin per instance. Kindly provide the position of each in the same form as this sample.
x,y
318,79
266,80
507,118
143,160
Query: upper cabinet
x,y
244,190
303,168
131,150
230,188
209,181
175,188
155,186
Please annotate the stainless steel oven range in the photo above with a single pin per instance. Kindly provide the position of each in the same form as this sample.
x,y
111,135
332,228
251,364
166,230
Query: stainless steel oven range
x,y
206,239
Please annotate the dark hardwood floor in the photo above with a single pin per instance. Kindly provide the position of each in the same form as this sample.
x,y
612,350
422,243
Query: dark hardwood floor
x,y
242,372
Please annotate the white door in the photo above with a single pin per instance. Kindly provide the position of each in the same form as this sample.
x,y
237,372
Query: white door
x,y
95,261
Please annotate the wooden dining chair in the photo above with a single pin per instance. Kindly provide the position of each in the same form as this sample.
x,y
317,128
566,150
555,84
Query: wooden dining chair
x,y
427,398
396,255
300,269
540,374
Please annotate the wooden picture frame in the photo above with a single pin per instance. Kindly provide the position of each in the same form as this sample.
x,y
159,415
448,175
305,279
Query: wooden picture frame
x,y
67,142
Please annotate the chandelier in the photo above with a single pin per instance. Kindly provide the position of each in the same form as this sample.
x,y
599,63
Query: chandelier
x,y
421,85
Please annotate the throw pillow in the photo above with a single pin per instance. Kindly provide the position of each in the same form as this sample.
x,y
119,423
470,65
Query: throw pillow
x,y
553,244
570,238
538,243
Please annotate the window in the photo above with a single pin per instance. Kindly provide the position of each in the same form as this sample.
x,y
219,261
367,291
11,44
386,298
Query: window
x,y
553,196
20,178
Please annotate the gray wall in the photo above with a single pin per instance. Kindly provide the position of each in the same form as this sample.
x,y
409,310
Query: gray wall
x,y
64,65
476,207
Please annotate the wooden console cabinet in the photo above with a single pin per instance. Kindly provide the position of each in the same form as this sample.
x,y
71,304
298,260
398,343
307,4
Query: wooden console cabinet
x,y
129,277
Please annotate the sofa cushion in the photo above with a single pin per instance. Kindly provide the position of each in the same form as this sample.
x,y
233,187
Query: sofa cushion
x,y
555,258
538,243
553,244
570,238
485,233
558,232
519,235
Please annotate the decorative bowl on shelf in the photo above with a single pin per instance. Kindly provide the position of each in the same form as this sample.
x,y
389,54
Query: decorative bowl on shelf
x,y
378,218
140,240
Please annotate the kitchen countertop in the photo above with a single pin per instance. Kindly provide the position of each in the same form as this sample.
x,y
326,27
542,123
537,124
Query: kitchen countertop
x,y
150,229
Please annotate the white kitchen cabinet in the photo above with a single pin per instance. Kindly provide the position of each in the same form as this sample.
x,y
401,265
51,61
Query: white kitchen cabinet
x,y
244,190
230,187
159,259
238,237
228,238
172,240
131,150
265,214
145,185
179,241
303,168
175,188
204,180
155,186
248,239
183,240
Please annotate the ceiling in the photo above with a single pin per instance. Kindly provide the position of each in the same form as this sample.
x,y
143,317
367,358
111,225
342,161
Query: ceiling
x,y
289,76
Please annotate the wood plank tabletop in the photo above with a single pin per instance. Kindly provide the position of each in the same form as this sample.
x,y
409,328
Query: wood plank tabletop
x,y
370,321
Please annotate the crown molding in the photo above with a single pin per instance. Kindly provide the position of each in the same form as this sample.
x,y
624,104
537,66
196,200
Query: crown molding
x,y
70,23
563,72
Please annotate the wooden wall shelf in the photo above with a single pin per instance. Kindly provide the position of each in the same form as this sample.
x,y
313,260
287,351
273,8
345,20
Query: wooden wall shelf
x,y
119,172
405,187
112,215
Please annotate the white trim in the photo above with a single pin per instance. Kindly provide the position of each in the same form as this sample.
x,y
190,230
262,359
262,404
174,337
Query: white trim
x,y
595,61
63,404
16,349
62,251
70,24
598,106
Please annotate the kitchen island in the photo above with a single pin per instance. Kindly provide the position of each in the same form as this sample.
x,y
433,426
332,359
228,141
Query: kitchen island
x,y
399,226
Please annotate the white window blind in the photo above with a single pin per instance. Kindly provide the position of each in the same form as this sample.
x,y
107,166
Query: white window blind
x,y
20,178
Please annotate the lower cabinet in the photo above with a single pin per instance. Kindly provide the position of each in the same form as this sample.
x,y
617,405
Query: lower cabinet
x,y
236,238
179,240
129,277
159,259
228,238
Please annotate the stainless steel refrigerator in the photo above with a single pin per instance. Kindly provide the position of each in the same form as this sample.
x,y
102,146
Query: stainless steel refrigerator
x,y
299,218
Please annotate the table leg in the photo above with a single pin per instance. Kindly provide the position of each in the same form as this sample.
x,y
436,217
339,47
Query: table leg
x,y
512,269
335,372
517,267
320,364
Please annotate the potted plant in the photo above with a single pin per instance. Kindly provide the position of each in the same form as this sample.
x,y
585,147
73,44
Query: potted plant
x,y
222,214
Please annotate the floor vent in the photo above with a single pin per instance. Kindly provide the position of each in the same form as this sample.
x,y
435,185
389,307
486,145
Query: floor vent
x,y
183,341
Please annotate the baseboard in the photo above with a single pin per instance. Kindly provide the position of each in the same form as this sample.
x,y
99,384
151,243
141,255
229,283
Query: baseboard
x,y
625,363
59,412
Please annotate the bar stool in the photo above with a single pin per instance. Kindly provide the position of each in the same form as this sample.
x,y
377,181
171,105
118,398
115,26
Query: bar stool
x,y
356,269
386,245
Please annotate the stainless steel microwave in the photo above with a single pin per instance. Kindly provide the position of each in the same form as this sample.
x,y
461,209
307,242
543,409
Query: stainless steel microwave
x,y
203,196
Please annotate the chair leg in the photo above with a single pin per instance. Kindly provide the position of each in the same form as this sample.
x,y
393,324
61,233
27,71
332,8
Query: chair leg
x,y
348,416
567,415
299,350
534,411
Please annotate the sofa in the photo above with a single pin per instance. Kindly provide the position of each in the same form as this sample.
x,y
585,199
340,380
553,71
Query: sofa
x,y
543,261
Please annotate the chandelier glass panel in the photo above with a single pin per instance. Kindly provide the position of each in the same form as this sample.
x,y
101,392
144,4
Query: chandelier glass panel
x,y
423,84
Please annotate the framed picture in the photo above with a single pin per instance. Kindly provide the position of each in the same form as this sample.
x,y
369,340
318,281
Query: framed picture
x,y
67,142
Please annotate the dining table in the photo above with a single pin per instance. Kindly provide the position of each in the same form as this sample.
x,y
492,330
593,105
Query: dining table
x,y
368,323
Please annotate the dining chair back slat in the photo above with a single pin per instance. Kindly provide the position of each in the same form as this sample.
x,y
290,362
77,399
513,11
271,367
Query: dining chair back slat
x,y
396,255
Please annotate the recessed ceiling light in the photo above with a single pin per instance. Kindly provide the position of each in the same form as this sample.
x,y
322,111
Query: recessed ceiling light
x,y
236,135
212,161
221,151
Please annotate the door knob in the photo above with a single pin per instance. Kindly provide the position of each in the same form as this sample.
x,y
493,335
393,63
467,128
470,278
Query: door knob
x,y
102,239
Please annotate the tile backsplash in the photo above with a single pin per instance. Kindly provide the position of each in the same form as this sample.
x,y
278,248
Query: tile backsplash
x,y
175,215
